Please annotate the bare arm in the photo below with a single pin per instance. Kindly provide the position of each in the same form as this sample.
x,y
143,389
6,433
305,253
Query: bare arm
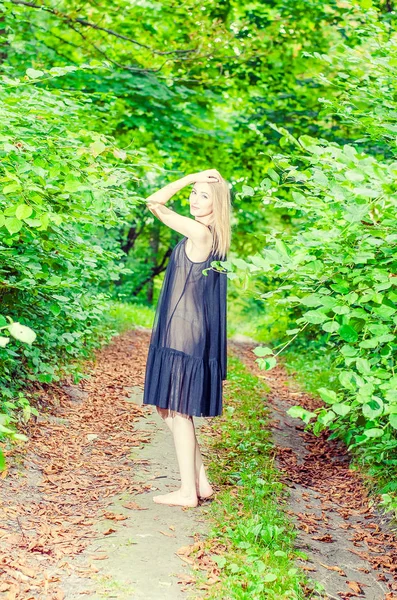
x,y
164,194
185,225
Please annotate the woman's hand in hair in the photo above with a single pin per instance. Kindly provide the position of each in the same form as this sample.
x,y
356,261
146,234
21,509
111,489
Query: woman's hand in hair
x,y
208,176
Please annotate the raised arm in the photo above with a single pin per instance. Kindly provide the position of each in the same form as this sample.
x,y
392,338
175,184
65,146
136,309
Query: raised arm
x,y
185,225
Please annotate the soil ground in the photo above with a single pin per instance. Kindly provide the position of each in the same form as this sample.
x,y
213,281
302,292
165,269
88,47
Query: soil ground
x,y
76,508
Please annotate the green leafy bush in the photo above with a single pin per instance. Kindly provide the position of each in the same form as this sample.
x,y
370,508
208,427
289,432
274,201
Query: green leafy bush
x,y
62,186
339,266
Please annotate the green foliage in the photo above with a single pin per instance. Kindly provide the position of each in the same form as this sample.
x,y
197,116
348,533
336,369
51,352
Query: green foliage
x,y
294,102
61,187
338,266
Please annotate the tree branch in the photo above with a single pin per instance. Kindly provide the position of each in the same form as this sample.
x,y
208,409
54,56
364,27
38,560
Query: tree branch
x,y
86,23
155,271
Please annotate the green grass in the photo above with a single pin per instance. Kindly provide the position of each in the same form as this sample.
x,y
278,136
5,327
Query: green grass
x,y
123,316
310,367
248,516
260,321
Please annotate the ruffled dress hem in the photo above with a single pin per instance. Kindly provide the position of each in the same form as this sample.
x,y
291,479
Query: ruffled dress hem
x,y
183,383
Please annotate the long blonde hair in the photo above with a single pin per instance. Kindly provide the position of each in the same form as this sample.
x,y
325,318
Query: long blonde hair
x,y
221,223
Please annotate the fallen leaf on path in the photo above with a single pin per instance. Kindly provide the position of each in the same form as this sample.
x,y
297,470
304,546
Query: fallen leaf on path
x,y
327,537
337,569
114,516
184,550
355,586
185,558
133,506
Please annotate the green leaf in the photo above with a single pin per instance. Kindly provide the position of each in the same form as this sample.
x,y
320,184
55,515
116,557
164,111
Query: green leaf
x,y
11,187
6,430
347,333
370,343
267,363
331,326
268,577
22,333
13,225
265,184
274,175
34,73
2,461
23,211
341,309
354,175
328,396
97,148
314,316
298,412
20,436
4,341
248,190
326,418
282,247
366,192
219,560
262,351
312,300
363,366
393,420
347,379
373,432
320,177
33,222
341,287
340,408
373,408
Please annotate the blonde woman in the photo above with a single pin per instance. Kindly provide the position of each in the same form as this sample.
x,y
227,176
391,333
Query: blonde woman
x,y
186,361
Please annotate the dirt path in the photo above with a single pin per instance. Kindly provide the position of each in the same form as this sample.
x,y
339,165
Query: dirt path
x,y
76,510
352,549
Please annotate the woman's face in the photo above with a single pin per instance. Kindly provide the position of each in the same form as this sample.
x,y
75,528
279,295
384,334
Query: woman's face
x,y
201,200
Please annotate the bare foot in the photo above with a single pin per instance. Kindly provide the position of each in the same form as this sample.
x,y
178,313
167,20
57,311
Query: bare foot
x,y
176,499
204,490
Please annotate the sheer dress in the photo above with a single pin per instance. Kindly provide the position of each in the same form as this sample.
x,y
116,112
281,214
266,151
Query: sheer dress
x,y
187,356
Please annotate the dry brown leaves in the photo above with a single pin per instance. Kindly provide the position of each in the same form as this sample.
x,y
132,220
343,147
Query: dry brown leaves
x,y
197,556
60,482
325,469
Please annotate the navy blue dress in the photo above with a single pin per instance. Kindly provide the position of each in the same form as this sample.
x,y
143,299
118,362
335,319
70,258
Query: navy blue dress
x,y
187,356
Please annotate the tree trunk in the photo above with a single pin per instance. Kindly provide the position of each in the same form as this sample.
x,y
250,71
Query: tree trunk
x,y
154,246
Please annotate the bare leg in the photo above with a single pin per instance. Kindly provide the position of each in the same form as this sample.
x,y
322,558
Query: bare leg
x,y
203,487
185,446
166,416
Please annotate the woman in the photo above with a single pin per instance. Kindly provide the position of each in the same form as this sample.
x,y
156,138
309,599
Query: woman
x,y
186,361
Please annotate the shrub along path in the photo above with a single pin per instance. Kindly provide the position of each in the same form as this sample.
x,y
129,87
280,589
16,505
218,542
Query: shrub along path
x,y
86,449
352,549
